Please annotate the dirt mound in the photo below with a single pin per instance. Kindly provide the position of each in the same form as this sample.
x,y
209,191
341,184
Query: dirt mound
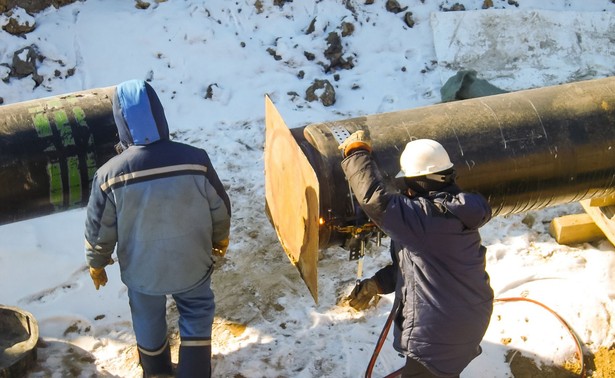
x,y
32,6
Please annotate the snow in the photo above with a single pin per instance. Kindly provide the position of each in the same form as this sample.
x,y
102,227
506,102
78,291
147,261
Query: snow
x,y
267,324
540,46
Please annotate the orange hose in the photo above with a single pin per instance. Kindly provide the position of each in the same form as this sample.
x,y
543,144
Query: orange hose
x,y
387,326
380,343
562,321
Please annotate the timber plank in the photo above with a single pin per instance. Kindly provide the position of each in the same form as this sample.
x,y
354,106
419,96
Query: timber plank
x,y
575,229
603,217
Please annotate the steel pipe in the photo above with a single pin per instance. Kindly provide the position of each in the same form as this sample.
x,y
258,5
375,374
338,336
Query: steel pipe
x,y
523,151
50,149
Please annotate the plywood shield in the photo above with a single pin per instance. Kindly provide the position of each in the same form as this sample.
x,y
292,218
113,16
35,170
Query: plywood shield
x,y
292,197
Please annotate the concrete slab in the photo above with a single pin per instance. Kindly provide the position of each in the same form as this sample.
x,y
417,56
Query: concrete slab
x,y
517,49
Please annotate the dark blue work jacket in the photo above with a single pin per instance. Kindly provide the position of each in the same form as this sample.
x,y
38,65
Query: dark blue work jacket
x,y
438,272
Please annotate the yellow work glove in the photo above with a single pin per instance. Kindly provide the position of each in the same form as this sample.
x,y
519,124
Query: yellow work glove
x,y
361,296
356,141
99,276
219,248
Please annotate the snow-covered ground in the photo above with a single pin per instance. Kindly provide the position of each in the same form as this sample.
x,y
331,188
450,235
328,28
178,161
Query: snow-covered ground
x,y
267,324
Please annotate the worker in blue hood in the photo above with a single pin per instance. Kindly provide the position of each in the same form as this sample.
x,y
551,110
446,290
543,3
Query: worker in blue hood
x,y
162,207
138,114
443,299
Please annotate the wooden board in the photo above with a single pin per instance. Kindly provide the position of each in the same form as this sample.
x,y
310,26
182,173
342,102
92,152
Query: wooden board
x,y
603,217
575,229
292,197
603,201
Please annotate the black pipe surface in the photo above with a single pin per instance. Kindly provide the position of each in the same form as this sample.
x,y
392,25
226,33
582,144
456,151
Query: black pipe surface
x,y
523,151
50,149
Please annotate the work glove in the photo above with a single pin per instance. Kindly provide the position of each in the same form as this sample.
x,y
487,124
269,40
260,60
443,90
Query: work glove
x,y
361,296
99,276
219,248
356,141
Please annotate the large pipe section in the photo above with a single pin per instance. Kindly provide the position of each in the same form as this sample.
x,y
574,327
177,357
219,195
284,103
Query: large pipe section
x,y
50,149
523,151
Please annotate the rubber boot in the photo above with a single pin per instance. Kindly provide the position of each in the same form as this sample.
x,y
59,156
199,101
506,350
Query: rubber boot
x,y
194,362
156,363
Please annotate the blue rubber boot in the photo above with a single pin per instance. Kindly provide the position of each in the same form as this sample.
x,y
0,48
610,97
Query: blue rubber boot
x,y
194,361
156,363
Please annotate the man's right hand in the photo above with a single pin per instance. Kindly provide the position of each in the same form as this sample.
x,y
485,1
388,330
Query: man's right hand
x,y
99,277
358,140
363,293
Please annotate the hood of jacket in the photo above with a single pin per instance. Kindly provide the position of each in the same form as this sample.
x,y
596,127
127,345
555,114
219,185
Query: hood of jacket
x,y
472,209
138,113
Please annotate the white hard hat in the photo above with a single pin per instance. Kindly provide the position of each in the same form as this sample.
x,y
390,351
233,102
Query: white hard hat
x,y
422,157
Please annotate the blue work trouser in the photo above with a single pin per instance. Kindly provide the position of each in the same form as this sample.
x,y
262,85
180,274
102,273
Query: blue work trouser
x,y
196,314
415,369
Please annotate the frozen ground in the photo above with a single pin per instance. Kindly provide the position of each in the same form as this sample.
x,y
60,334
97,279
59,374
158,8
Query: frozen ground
x,y
267,324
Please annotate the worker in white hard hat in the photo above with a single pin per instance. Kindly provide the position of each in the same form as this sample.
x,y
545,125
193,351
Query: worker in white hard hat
x,y
443,299
425,166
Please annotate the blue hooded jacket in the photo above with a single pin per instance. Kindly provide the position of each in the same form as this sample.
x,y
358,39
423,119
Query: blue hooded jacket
x,y
138,114
438,272
160,203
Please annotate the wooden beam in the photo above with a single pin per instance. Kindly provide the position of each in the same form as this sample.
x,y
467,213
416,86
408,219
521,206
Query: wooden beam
x,y
603,216
575,229
602,201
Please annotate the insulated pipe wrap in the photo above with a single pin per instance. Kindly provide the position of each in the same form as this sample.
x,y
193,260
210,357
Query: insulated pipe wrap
x,y
50,149
523,151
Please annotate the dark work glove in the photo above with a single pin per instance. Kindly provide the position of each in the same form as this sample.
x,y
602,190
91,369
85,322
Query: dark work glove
x,y
363,293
